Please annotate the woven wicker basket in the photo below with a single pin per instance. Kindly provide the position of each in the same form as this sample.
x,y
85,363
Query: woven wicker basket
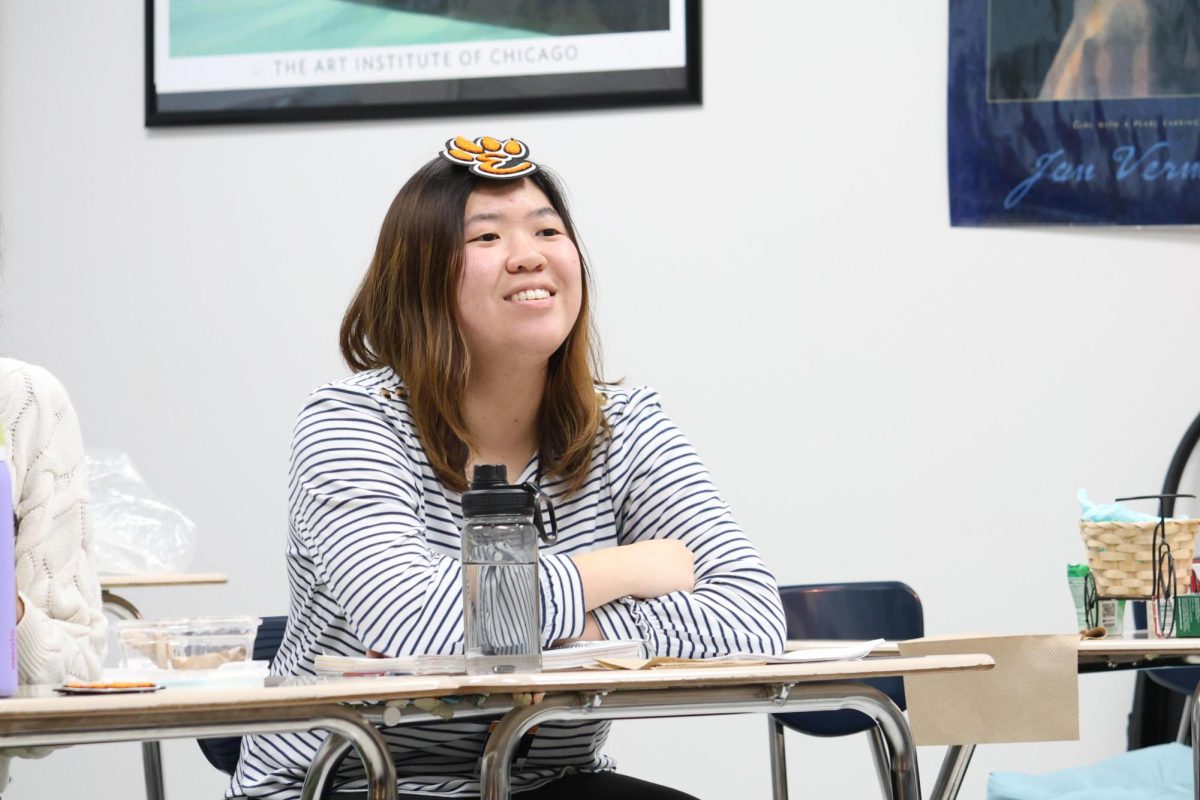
x,y
1120,555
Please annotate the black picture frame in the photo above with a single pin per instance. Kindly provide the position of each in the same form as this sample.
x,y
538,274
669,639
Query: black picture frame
x,y
565,90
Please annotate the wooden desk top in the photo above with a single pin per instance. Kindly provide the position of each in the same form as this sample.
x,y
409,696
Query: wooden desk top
x,y
674,677
1139,652
35,704
162,579
1090,650
42,702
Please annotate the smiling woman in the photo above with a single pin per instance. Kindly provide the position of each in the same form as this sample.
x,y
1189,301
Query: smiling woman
x,y
437,306
521,292
472,341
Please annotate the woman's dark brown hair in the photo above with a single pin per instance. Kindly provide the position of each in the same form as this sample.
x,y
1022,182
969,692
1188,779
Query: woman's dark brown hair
x,y
405,316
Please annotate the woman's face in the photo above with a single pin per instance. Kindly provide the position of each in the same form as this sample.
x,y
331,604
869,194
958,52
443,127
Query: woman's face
x,y
521,285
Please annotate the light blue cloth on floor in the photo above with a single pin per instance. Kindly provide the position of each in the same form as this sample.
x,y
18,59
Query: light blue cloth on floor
x,y
1109,512
1162,772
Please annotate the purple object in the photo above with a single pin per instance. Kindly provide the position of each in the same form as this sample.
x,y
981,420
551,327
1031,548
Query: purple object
x,y
8,581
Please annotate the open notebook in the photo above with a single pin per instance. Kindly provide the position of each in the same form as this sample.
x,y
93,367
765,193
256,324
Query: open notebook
x,y
573,656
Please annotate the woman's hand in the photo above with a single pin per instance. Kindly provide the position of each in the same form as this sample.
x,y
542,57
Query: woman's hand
x,y
642,570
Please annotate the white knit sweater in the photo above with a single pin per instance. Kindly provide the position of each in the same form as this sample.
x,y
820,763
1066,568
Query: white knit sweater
x,y
62,633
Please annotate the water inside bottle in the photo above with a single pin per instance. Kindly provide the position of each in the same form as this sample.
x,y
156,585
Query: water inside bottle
x,y
503,631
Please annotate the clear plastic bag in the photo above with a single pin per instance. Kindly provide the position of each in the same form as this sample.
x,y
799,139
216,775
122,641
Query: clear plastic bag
x,y
134,531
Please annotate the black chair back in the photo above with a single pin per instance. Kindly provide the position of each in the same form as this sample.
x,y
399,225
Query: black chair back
x,y
855,611
1182,680
223,751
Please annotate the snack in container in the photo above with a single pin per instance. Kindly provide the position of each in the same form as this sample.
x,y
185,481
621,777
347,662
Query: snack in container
x,y
190,643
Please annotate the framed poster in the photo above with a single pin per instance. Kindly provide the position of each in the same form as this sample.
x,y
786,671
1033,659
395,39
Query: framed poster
x,y
1074,111
220,61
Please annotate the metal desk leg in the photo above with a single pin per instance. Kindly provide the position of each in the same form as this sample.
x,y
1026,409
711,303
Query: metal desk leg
x,y
954,769
319,781
639,704
121,608
1184,734
152,768
779,790
337,720
879,754
118,606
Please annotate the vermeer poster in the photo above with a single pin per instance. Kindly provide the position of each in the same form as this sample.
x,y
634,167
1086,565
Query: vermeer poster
x,y
1074,111
278,60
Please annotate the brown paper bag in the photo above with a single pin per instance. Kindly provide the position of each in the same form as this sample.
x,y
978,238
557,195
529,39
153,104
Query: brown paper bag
x,y
1032,694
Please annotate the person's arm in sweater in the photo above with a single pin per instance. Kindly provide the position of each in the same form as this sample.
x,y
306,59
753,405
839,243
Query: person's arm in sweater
x,y
61,631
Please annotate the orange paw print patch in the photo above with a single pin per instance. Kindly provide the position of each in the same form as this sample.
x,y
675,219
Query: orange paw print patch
x,y
490,158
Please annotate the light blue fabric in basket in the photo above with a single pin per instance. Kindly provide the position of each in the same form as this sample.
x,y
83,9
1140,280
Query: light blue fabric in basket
x,y
1162,772
1109,512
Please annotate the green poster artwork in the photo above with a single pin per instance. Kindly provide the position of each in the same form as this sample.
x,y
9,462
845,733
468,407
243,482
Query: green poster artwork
x,y
239,27
218,61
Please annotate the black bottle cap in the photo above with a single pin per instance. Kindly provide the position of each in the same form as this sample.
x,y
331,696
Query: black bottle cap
x,y
491,493
486,476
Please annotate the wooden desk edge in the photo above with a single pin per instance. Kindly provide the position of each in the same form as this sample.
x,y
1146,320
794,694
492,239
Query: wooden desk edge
x,y
18,714
183,701
812,672
162,579
1089,649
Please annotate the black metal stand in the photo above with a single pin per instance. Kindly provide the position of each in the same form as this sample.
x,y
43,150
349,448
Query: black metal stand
x,y
1154,718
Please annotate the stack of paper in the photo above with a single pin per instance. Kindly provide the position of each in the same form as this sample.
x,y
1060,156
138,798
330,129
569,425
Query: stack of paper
x,y
848,652
584,654
841,652
581,654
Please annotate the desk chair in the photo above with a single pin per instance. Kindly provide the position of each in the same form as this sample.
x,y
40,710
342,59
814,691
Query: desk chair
x,y
222,752
1182,680
858,611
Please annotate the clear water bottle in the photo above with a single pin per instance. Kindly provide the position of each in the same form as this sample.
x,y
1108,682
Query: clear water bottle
x,y
501,601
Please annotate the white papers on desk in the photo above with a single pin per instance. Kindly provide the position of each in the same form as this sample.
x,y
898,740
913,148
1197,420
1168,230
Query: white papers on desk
x,y
573,656
850,651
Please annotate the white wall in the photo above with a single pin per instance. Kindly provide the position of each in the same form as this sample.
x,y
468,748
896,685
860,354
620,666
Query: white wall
x,y
878,395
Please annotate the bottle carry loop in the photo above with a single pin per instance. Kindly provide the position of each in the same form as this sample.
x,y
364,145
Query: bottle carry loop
x,y
540,498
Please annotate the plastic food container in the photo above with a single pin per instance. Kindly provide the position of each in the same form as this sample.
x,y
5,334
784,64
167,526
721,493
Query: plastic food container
x,y
190,643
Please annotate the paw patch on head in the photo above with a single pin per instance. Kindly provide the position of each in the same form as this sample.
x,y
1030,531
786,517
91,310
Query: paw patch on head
x,y
489,157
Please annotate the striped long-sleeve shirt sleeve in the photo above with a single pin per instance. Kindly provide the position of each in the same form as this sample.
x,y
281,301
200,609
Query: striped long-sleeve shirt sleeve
x,y
372,558
356,501
661,490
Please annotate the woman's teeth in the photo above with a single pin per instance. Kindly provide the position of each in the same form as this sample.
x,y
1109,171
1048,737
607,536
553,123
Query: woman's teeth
x,y
530,294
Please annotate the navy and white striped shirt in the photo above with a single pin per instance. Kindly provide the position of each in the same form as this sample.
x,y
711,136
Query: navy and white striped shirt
x,y
373,563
